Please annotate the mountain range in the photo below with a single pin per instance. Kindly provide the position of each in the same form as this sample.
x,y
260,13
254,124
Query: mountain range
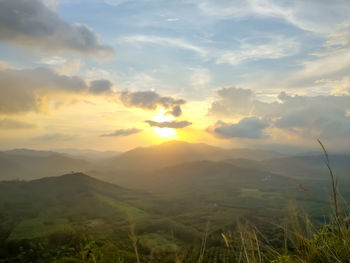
x,y
169,192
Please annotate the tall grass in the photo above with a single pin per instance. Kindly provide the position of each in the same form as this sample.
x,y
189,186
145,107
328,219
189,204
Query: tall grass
x,y
303,242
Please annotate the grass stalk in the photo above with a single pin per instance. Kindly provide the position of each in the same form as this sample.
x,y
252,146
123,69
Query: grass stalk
x,y
334,186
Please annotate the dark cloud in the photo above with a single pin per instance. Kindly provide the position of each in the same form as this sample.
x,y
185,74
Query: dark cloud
x,y
100,86
251,128
176,111
169,124
150,100
10,124
32,24
122,132
24,90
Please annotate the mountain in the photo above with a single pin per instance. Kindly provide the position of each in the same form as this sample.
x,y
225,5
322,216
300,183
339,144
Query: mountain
x,y
87,154
67,211
29,152
177,152
310,166
31,164
72,201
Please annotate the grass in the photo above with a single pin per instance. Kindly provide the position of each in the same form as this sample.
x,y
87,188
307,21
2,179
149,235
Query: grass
x,y
124,208
40,227
303,242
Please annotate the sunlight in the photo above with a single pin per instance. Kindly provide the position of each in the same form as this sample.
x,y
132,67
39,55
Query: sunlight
x,y
163,116
166,133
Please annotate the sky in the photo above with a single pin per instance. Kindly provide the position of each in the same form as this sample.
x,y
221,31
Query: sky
x,y
119,74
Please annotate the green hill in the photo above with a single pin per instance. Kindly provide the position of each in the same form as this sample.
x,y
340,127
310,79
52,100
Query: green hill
x,y
78,206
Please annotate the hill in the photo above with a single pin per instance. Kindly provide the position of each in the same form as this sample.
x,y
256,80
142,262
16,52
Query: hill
x,y
52,203
31,164
177,152
89,155
67,211
309,166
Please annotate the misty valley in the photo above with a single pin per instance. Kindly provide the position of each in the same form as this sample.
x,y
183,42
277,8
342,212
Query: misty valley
x,y
173,201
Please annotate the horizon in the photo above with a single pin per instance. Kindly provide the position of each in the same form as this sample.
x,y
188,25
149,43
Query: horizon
x,y
285,151
120,74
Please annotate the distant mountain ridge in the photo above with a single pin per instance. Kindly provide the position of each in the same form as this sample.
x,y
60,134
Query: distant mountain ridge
x,y
29,152
134,164
87,154
31,164
177,152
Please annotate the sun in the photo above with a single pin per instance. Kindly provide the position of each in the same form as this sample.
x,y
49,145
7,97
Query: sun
x,y
164,133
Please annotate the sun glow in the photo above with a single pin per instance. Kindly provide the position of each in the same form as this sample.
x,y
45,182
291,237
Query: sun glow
x,y
165,133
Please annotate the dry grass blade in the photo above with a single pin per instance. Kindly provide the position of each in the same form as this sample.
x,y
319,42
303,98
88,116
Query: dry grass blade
x,y
334,186
225,239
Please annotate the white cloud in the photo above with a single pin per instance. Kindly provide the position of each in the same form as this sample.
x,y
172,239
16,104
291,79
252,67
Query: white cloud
x,y
275,48
53,61
233,101
141,81
166,41
315,15
200,78
116,2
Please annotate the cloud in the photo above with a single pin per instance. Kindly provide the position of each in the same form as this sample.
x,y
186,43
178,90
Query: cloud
x,y
316,121
200,78
266,47
165,41
116,2
324,116
10,124
310,16
232,101
55,137
122,132
169,124
176,111
100,86
250,127
273,48
24,90
150,100
33,24
141,81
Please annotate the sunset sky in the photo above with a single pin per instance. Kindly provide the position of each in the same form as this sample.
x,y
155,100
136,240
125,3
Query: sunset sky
x,y
117,74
